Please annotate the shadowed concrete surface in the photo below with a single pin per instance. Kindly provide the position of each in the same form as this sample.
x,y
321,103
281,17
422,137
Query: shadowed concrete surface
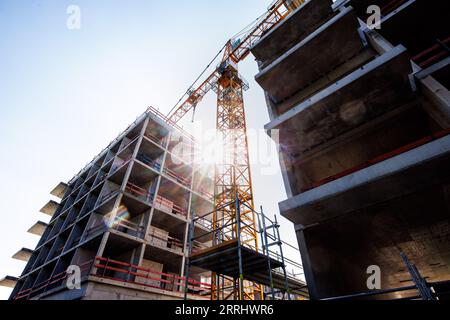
x,y
363,134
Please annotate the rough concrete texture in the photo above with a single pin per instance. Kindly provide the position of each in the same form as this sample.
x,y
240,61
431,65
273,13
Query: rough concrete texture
x,y
341,249
8,281
50,208
296,68
294,28
347,220
404,174
389,132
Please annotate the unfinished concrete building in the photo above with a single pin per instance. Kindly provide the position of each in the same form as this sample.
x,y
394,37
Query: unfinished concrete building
x,y
123,221
362,119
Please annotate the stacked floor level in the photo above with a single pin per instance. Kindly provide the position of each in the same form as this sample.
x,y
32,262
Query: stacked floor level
x,y
362,119
123,222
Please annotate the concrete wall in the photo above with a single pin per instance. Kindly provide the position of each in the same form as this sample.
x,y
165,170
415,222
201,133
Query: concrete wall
x,y
356,122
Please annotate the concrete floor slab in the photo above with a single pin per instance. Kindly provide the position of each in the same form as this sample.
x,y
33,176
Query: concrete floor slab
x,y
291,30
8,282
59,190
38,228
50,208
404,174
369,92
335,42
23,254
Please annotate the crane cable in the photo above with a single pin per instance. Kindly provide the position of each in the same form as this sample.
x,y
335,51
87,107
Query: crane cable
x,y
201,74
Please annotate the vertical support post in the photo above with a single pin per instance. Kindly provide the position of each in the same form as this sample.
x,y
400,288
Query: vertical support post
x,y
189,251
418,280
307,263
241,269
286,285
266,251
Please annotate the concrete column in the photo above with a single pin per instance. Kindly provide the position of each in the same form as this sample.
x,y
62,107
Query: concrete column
x,y
306,261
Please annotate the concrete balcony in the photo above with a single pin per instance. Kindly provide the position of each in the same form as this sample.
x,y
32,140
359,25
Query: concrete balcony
x,y
59,190
367,93
50,208
404,174
23,254
8,282
335,42
38,228
291,30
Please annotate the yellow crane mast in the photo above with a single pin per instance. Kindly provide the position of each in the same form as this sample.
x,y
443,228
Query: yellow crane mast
x,y
232,174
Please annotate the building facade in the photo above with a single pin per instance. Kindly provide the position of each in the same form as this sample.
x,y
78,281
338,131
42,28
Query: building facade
x,y
122,222
362,118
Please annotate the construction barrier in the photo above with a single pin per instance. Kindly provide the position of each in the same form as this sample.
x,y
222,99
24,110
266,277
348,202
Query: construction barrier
x,y
128,271
139,192
433,54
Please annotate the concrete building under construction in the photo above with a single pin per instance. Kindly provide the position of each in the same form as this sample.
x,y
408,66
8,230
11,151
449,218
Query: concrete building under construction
x,y
123,221
361,115
362,119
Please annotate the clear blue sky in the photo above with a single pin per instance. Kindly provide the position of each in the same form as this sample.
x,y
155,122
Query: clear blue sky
x,y
64,94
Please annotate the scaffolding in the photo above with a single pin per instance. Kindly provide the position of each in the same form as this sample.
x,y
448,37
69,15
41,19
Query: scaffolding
x,y
235,262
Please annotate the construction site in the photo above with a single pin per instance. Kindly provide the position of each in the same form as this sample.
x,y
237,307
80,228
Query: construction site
x,y
360,115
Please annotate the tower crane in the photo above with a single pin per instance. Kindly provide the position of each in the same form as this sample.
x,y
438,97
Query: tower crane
x,y
232,177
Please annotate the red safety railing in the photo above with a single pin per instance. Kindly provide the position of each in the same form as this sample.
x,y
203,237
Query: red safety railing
x,y
379,159
169,242
179,210
54,282
128,227
139,192
108,269
184,181
161,204
433,54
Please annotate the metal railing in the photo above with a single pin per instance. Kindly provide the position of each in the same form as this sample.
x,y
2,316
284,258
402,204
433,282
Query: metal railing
x,y
51,283
130,273
433,54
